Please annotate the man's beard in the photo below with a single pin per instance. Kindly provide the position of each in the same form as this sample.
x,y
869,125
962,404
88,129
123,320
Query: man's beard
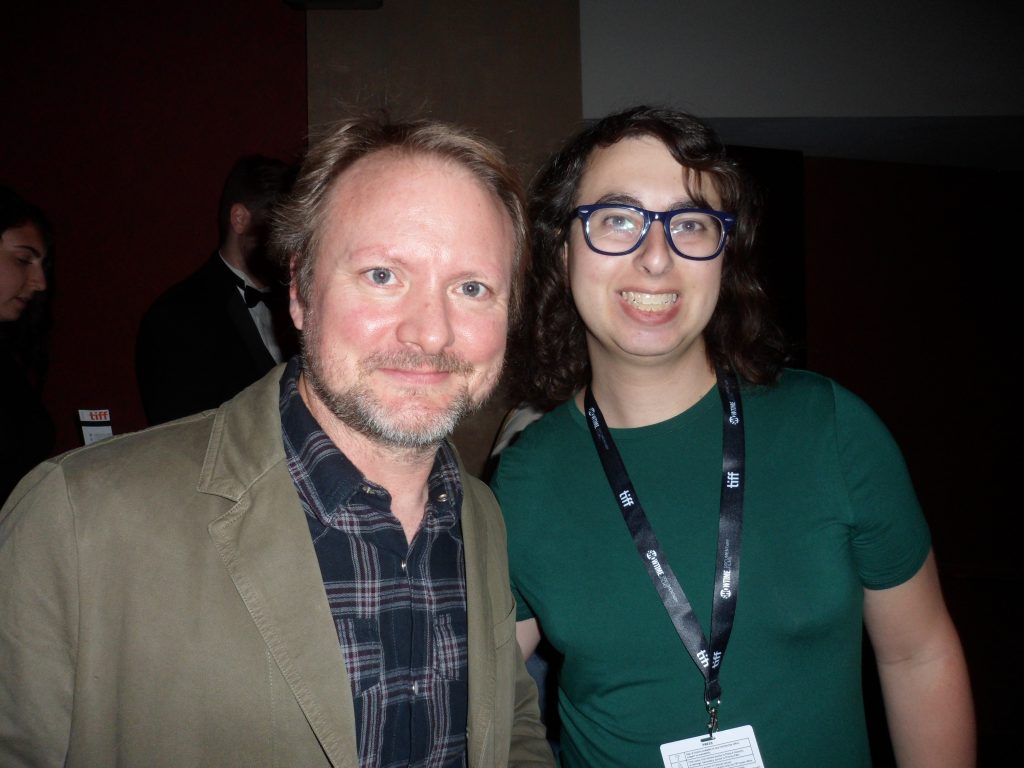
x,y
359,408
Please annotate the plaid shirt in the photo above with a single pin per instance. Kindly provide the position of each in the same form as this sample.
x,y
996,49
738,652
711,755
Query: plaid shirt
x,y
400,609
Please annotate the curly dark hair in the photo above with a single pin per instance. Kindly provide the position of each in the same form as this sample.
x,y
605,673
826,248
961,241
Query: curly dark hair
x,y
549,356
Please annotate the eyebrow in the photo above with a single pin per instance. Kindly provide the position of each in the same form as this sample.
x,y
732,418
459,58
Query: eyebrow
x,y
34,251
622,198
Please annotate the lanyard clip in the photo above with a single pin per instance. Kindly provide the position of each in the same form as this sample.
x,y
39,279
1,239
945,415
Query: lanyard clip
x,y
712,717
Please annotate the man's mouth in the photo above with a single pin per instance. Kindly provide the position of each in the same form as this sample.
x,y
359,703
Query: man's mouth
x,y
650,302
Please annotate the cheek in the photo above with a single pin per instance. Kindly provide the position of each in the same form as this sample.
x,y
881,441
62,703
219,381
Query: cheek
x,y
10,281
484,338
347,321
589,278
712,280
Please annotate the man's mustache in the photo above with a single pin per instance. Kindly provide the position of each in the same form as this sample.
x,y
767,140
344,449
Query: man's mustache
x,y
442,362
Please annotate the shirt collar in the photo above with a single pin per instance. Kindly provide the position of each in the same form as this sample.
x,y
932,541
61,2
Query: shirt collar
x,y
335,479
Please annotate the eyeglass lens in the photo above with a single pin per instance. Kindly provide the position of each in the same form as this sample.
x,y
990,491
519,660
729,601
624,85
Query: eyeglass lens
x,y
617,230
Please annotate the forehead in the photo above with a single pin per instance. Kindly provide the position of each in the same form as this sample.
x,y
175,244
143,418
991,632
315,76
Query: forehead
x,y
24,236
391,201
390,180
641,164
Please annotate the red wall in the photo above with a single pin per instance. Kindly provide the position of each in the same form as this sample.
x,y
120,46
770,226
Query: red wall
x,y
121,124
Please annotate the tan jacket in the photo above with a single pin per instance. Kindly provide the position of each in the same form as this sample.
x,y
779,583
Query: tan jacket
x,y
161,605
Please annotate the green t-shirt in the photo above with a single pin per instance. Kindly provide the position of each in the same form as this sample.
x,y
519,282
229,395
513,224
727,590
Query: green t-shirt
x,y
829,510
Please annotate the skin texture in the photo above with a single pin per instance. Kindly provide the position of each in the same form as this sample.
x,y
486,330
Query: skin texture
x,y
923,672
405,329
648,367
21,269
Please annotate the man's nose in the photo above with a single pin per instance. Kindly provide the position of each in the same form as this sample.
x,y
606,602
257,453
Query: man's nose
x,y
427,322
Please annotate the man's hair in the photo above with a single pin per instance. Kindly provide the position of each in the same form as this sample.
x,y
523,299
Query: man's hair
x,y
550,360
255,181
299,220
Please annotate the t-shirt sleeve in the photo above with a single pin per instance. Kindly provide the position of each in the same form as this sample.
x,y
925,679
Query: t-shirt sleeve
x,y
890,534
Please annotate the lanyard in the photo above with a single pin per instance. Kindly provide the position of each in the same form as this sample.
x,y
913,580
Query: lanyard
x,y
707,657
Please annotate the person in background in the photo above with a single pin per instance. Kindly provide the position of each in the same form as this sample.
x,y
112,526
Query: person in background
x,y
700,532
228,319
26,256
306,576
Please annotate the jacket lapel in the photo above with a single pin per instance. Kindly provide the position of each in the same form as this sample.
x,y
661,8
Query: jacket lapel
x,y
480,623
266,548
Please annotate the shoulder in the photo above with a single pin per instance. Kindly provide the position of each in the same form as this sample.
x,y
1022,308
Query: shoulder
x,y
536,458
152,456
806,392
147,473
207,282
545,431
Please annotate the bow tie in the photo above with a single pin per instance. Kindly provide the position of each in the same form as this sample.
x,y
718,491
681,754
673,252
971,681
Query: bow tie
x,y
254,296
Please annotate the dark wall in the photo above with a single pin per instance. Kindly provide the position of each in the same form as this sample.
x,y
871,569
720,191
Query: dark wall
x,y
121,120
509,69
911,294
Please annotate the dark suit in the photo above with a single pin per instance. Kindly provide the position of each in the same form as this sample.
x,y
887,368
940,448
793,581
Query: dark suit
x,y
198,345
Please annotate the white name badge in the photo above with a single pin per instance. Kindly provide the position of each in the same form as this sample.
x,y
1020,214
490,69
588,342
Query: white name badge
x,y
732,748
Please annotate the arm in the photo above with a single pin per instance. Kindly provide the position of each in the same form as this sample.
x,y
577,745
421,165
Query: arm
x,y
529,746
923,673
39,614
528,636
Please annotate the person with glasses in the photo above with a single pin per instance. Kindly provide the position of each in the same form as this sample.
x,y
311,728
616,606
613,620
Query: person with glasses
x,y
700,532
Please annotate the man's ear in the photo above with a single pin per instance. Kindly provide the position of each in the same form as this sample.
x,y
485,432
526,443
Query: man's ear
x,y
239,216
295,306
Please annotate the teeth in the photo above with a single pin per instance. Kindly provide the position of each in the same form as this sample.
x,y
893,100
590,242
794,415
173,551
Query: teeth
x,y
650,302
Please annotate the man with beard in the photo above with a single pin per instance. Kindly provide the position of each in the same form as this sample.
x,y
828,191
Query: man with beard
x,y
306,576
227,319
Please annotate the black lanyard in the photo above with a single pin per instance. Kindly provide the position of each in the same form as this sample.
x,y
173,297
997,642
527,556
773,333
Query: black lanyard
x,y
708,658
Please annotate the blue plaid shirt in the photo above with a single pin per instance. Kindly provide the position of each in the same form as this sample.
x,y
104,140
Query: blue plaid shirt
x,y
399,609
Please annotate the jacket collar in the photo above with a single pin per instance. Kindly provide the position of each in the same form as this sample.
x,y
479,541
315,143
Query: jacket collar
x,y
265,545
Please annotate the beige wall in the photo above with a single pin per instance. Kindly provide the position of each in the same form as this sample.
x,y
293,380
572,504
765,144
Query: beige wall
x,y
509,69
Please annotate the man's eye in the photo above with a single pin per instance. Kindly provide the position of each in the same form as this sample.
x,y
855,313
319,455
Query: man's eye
x,y
474,289
381,275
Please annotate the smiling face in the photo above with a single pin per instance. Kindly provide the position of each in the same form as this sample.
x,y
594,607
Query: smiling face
x,y
21,269
404,331
650,306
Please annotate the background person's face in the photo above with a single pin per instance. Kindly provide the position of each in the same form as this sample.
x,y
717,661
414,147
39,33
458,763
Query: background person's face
x,y
21,269
406,323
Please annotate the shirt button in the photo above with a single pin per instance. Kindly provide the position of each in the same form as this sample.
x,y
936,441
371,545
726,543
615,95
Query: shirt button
x,y
442,497
403,566
415,688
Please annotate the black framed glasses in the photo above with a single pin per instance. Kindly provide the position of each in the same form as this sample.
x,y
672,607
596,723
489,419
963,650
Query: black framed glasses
x,y
613,229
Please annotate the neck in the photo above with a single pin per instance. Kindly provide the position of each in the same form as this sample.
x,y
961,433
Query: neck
x,y
402,471
232,252
637,396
